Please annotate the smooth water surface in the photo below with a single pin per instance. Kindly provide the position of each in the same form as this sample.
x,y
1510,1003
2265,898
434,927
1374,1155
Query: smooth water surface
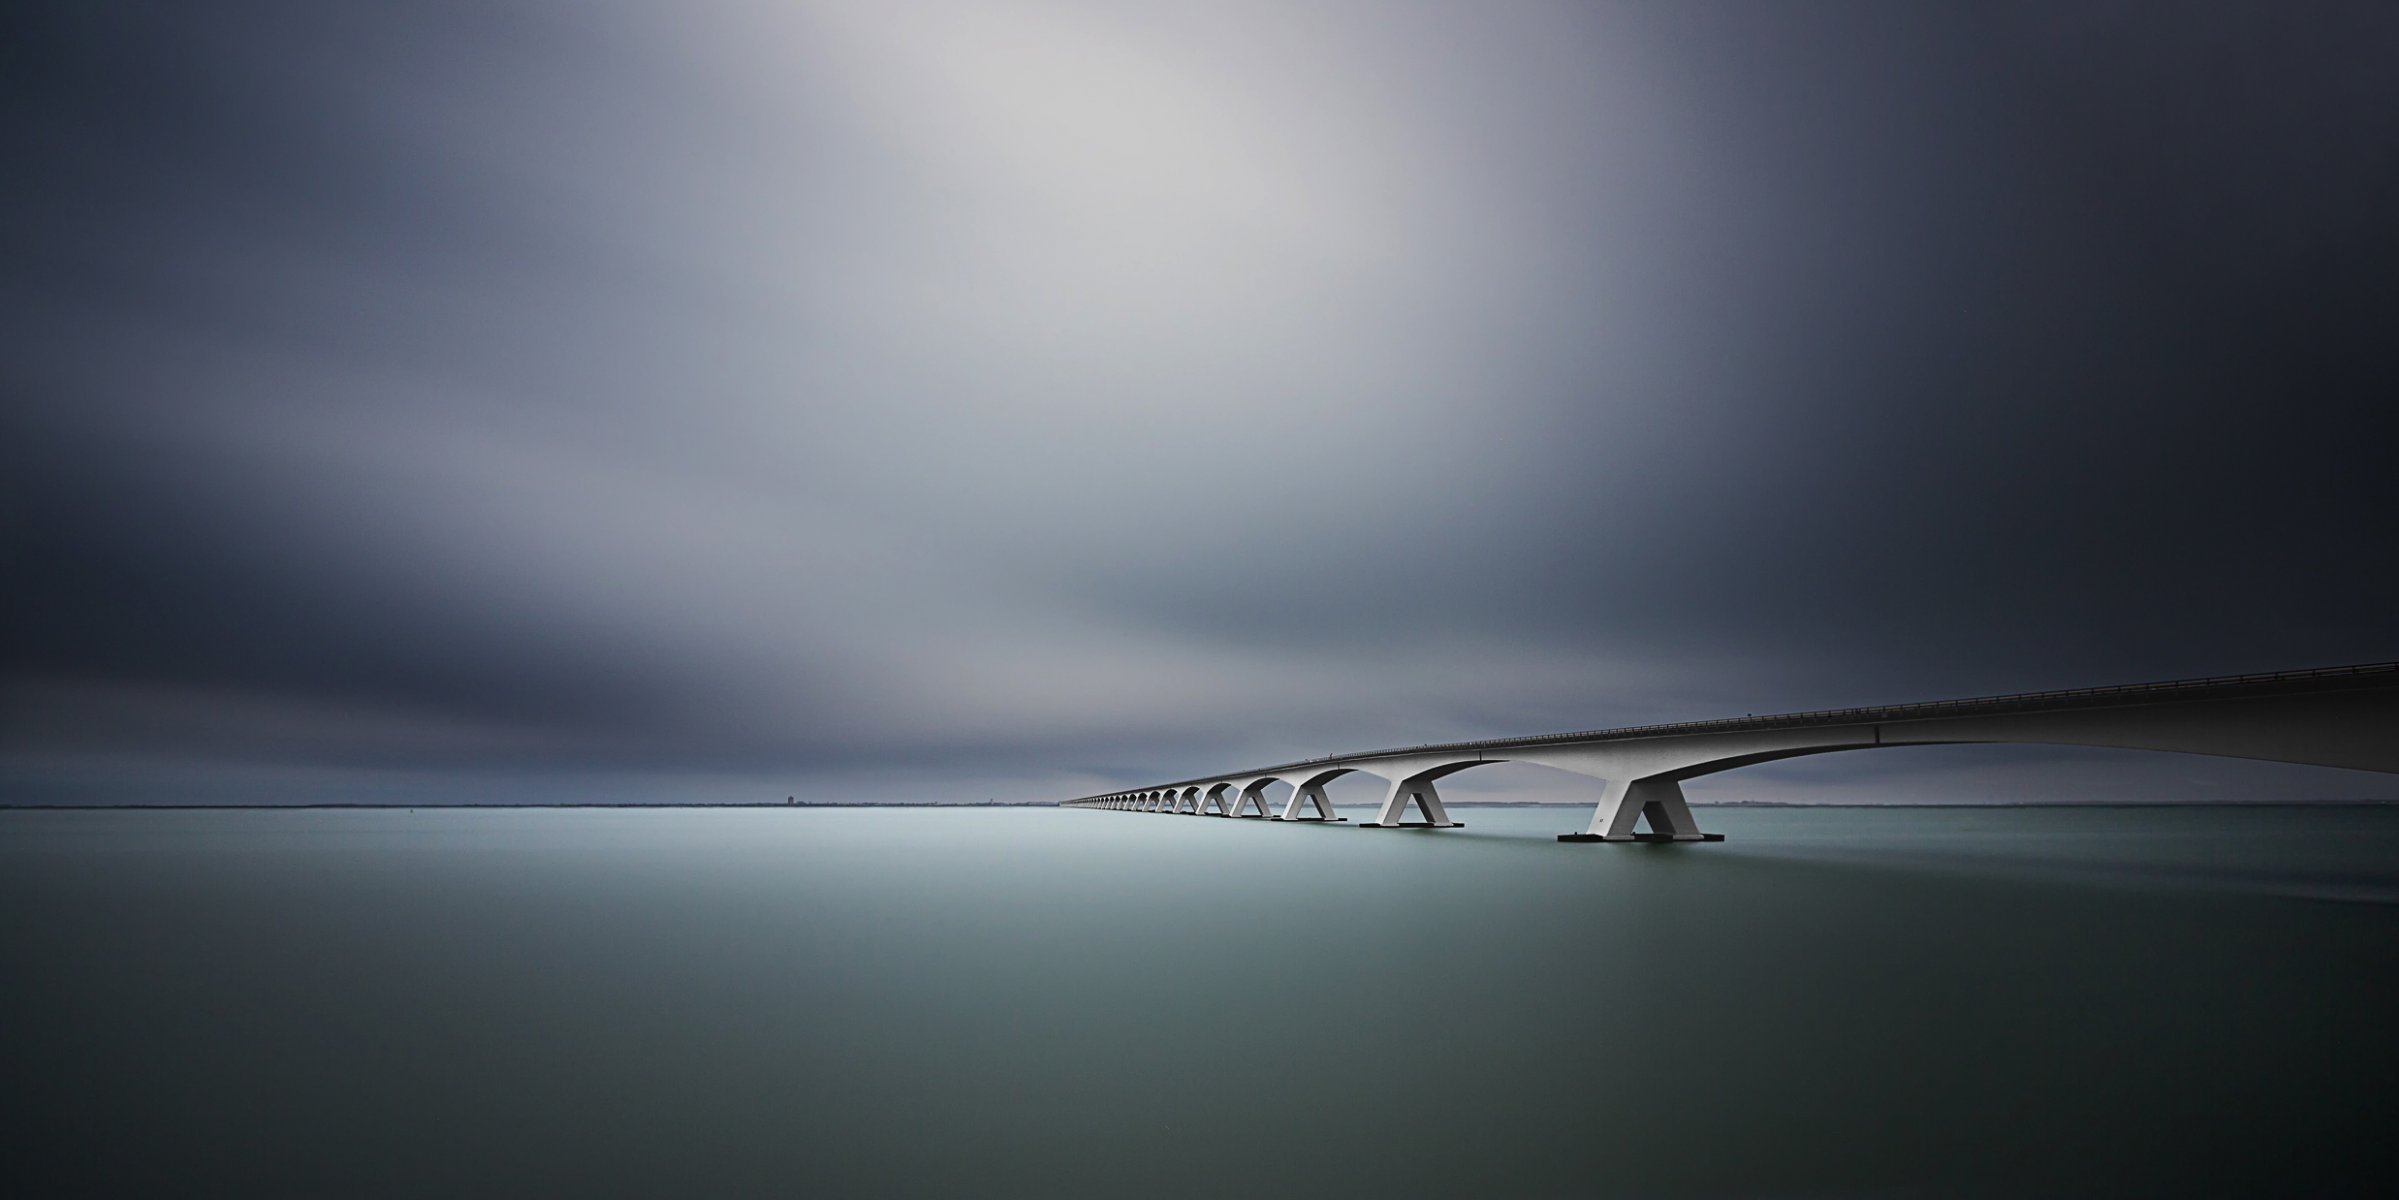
x,y
1046,1002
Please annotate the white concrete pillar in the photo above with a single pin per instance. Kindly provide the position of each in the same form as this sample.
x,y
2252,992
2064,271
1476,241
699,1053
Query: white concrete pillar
x,y
1418,789
1253,796
1309,792
1656,798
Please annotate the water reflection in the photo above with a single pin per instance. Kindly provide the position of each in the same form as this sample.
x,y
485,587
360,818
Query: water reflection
x,y
871,1002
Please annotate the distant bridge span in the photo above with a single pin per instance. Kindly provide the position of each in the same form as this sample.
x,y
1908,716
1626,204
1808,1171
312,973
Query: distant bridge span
x,y
2328,716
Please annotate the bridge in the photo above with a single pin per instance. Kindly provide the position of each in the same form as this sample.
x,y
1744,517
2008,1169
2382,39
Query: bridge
x,y
2327,716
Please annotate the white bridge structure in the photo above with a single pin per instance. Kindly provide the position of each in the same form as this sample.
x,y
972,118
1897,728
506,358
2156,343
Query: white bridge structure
x,y
2328,716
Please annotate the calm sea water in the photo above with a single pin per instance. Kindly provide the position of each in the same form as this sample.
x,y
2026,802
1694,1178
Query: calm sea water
x,y
1066,1003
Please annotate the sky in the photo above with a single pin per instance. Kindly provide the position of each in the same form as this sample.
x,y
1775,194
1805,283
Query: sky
x,y
731,400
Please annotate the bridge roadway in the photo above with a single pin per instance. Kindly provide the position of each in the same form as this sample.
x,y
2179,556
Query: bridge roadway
x,y
2327,716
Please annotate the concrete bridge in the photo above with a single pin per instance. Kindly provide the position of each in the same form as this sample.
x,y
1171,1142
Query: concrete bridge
x,y
2328,716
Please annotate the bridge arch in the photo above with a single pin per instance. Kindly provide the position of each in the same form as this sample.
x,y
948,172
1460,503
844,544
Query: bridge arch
x,y
1307,791
1214,799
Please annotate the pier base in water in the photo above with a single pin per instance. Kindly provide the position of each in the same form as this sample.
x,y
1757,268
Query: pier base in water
x,y
1639,837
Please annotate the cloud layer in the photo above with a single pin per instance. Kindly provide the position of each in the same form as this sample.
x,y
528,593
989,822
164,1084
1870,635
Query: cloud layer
x,y
967,399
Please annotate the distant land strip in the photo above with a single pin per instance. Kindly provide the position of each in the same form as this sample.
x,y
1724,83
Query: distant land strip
x,y
569,804
2369,802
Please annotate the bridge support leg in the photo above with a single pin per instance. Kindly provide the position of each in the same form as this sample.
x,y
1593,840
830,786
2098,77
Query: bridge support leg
x,y
1252,797
1626,802
1427,798
1309,794
1214,800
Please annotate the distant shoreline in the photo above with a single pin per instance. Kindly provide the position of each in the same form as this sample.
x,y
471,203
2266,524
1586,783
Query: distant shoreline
x,y
1571,804
578,804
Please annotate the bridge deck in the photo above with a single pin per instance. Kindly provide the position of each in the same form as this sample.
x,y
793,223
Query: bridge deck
x,y
2218,687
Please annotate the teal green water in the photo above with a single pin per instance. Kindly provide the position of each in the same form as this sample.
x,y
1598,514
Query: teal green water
x,y
1072,1003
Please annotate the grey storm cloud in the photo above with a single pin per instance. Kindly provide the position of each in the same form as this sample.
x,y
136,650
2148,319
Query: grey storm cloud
x,y
1018,398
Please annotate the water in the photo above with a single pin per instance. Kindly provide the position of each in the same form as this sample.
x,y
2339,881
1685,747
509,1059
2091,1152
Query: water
x,y
1069,1003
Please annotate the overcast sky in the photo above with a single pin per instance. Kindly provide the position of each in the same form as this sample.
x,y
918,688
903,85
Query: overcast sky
x,y
926,400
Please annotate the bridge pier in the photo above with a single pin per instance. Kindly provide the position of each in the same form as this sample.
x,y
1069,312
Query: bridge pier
x,y
1215,800
1308,793
1656,799
1253,796
1418,789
